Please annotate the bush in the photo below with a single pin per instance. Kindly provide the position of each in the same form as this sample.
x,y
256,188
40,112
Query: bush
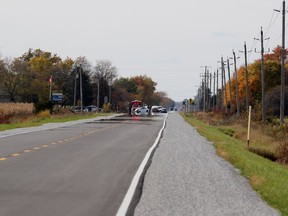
x,y
282,151
4,119
42,106
106,107
62,111
44,114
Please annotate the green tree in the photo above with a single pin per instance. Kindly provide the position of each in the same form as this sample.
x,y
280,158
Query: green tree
x,y
63,80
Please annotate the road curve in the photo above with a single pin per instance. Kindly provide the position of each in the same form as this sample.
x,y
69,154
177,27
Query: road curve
x,y
186,177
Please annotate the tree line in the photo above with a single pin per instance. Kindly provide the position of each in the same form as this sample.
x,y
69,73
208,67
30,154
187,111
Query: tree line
x,y
30,77
216,100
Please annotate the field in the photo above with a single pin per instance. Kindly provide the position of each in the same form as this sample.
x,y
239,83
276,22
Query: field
x,y
10,111
18,115
16,108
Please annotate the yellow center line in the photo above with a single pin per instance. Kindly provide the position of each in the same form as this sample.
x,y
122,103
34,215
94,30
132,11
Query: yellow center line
x,y
61,141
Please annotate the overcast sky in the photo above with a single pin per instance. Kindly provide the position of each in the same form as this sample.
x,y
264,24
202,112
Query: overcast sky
x,y
167,40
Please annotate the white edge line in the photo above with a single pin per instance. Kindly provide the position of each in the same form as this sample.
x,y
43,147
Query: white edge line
x,y
122,211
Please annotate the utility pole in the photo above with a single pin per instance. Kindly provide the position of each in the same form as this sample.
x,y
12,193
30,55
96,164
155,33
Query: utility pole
x,y
75,86
283,56
50,88
262,77
98,92
224,80
203,84
78,70
236,80
81,89
210,91
230,89
222,85
206,84
217,99
246,76
214,95
282,98
205,89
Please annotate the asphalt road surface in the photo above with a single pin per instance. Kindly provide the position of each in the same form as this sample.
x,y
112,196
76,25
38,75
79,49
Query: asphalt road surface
x,y
78,170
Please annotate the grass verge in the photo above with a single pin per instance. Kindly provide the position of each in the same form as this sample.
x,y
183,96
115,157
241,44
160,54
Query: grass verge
x,y
36,121
268,178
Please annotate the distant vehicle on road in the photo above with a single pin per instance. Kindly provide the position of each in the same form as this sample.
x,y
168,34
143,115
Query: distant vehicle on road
x,y
158,110
142,111
163,110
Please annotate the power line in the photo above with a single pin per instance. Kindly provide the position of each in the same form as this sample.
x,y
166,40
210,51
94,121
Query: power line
x,y
271,24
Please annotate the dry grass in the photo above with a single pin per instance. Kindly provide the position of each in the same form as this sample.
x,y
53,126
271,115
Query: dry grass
x,y
256,181
266,138
222,153
16,109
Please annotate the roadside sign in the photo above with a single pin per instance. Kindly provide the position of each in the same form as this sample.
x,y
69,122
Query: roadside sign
x,y
57,97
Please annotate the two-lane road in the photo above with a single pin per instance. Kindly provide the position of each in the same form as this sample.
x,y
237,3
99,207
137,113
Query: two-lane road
x,y
84,169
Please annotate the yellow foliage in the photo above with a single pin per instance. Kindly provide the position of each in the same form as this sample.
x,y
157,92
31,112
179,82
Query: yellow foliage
x,y
44,114
106,107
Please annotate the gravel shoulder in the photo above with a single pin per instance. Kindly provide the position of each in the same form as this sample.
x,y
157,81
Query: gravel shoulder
x,y
186,177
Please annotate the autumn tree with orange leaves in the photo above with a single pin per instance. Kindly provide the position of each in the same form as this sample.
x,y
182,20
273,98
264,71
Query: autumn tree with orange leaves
x,y
272,68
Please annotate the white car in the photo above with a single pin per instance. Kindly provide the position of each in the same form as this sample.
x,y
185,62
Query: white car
x,y
142,111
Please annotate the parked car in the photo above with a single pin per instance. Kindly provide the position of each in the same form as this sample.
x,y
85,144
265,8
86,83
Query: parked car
x,y
77,109
93,108
155,109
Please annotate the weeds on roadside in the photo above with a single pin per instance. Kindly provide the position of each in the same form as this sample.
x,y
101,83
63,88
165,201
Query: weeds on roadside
x,y
282,151
268,141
